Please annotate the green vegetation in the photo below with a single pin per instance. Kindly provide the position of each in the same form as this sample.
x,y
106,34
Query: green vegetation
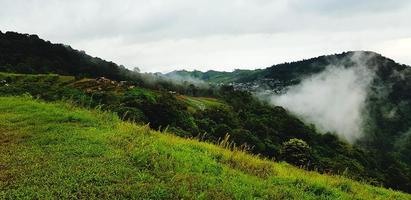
x,y
55,150
200,103
209,112
247,121
296,152
24,53
29,54
386,116
52,78
214,76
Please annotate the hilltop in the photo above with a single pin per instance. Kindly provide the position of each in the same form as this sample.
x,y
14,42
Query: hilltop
x,y
25,53
55,150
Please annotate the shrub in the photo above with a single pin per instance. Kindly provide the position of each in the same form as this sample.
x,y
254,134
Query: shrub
x,y
296,152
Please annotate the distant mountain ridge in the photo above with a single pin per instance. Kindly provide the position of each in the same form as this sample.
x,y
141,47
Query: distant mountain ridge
x,y
291,72
213,76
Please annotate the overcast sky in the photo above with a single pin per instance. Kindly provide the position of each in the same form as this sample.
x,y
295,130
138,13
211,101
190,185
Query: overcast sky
x,y
166,35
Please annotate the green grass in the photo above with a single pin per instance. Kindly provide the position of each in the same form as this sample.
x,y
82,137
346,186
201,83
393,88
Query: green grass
x,y
149,94
37,77
200,103
55,150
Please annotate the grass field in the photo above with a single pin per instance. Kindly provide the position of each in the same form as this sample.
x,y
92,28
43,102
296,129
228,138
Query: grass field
x,y
37,77
200,103
55,150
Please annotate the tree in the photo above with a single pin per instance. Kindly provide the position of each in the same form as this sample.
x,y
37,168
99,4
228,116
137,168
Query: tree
x,y
296,152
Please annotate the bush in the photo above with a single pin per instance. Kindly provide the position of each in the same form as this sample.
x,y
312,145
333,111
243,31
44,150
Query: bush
x,y
296,152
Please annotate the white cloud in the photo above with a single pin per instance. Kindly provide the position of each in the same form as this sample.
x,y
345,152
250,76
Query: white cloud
x,y
214,34
333,100
397,49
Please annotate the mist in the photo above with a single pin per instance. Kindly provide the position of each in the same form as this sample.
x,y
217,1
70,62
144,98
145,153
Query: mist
x,y
182,80
333,100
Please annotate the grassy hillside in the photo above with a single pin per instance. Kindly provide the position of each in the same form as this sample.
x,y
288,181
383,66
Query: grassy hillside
x,y
200,103
246,119
55,150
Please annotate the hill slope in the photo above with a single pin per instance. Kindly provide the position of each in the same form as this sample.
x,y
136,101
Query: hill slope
x,y
29,54
321,91
26,53
186,109
59,151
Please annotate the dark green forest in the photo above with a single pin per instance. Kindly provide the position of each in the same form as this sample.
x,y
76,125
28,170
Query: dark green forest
x,y
216,112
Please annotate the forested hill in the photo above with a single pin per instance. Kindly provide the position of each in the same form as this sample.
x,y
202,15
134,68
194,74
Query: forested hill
x,y
188,110
24,53
295,70
385,111
29,54
290,72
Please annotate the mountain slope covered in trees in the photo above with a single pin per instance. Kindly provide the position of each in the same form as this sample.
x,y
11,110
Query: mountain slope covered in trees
x,y
387,108
26,53
210,112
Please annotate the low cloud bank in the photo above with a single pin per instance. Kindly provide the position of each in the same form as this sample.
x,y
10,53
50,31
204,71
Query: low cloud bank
x,y
334,100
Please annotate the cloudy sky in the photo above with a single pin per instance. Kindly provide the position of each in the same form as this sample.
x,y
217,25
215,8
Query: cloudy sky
x,y
163,35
